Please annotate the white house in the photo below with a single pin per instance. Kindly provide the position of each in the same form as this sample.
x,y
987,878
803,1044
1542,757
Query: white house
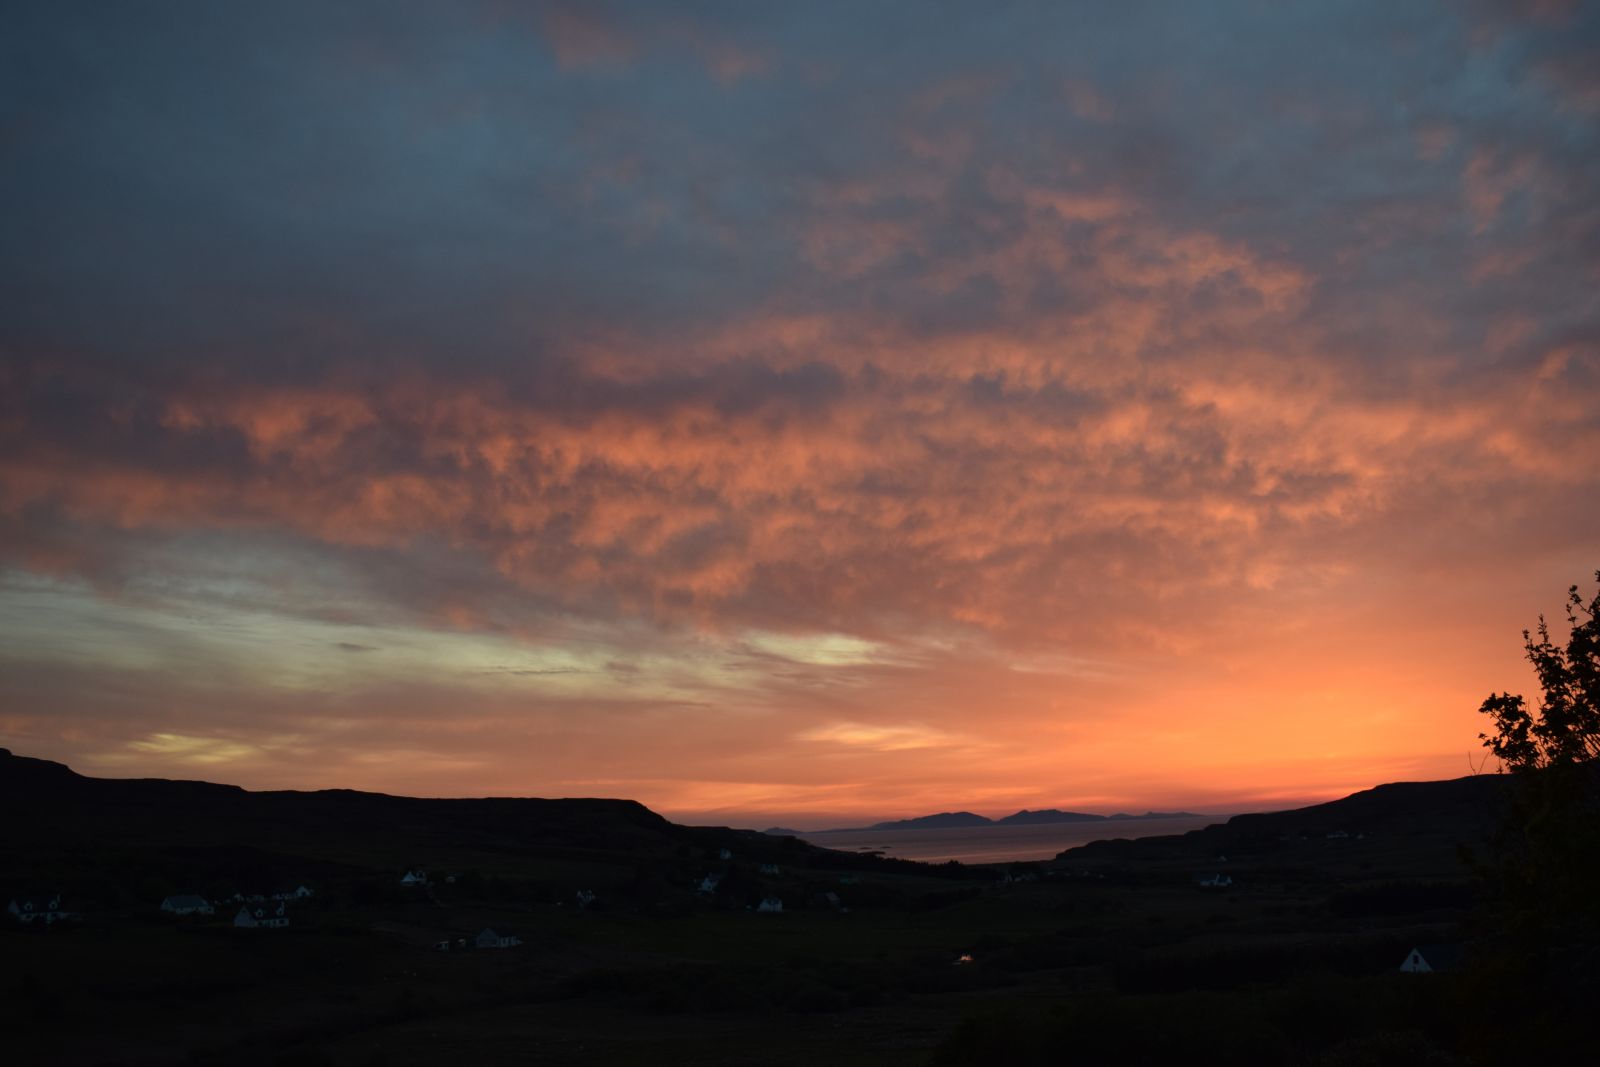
x,y
769,868
724,854
709,883
261,916
487,938
585,897
42,909
770,904
1426,959
414,877
1216,881
187,904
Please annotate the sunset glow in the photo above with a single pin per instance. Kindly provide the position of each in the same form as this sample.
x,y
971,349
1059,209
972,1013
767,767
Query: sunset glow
x,y
783,415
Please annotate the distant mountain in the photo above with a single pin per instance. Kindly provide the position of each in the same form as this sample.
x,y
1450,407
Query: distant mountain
x,y
781,831
1050,815
945,820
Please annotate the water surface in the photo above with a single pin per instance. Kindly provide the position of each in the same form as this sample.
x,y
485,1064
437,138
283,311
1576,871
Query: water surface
x,y
997,844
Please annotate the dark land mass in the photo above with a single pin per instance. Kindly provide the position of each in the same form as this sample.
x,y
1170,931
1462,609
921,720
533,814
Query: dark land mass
x,y
1112,951
945,820
1048,815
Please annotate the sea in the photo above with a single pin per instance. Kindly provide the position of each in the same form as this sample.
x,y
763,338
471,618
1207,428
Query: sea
x,y
1000,844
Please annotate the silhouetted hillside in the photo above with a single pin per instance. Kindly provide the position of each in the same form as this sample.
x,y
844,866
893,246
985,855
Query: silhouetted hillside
x,y
1435,816
61,824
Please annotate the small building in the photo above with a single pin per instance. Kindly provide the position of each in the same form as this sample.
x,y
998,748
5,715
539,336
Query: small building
x,y
724,855
770,904
585,897
487,938
187,904
709,883
45,910
1215,881
418,876
262,916
769,868
1428,959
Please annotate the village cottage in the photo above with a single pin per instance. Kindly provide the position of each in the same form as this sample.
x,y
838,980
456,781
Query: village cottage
x,y
261,917
487,938
187,904
40,909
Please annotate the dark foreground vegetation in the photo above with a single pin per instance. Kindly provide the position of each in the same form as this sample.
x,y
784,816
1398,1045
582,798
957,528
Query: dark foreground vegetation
x,y
1272,939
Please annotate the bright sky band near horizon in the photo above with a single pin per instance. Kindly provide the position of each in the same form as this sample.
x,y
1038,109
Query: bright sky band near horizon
x,y
798,413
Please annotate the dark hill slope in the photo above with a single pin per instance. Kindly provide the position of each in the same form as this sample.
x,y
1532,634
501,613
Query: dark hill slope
x,y
49,801
1395,827
61,825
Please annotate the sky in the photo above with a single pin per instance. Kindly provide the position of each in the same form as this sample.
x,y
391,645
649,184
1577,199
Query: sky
x,y
792,413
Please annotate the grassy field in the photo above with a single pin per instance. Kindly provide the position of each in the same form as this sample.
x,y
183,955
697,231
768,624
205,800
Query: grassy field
x,y
921,969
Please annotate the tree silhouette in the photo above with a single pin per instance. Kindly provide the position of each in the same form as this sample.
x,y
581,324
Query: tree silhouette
x,y
1564,733
1549,849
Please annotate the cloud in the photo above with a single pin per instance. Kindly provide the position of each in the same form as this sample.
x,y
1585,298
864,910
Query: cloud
x,y
880,738
604,364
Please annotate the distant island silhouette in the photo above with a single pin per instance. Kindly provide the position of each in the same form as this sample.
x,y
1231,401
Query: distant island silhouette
x,y
952,820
